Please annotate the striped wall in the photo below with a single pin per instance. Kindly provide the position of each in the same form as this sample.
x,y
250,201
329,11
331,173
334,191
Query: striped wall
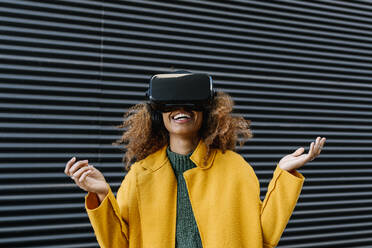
x,y
69,70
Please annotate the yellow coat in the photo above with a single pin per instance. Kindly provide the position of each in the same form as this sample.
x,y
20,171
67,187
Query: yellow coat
x,y
224,195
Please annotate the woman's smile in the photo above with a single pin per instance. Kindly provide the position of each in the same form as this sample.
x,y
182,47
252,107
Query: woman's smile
x,y
181,117
183,122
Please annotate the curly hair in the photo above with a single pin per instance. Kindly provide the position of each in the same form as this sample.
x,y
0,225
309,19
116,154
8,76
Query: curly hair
x,y
219,130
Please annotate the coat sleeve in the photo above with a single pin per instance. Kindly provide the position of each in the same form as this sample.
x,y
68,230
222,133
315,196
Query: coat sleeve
x,y
109,221
281,198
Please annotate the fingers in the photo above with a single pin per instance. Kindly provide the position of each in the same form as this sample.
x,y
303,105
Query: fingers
x,y
298,152
84,175
76,166
316,148
310,154
321,144
80,176
68,165
79,172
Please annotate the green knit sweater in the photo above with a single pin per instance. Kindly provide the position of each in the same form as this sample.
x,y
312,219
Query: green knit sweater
x,y
187,233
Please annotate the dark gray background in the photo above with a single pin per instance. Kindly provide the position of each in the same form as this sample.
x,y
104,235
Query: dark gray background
x,y
69,70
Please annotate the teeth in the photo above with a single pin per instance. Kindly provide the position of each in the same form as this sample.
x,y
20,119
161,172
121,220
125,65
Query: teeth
x,y
181,115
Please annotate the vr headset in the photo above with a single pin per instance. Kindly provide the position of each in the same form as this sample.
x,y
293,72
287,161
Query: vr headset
x,y
192,91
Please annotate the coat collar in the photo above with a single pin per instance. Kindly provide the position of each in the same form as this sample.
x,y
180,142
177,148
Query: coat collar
x,y
159,158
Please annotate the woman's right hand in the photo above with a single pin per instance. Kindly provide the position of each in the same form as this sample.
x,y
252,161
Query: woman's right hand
x,y
87,177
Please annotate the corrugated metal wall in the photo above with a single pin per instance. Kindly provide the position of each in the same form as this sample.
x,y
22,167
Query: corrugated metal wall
x,y
70,69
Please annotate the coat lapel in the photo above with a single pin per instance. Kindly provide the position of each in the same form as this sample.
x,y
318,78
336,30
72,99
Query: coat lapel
x,y
157,192
157,195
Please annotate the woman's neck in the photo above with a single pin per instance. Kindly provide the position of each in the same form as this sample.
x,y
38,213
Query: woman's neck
x,y
183,145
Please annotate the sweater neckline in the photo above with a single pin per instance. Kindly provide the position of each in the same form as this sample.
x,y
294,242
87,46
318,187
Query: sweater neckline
x,y
180,163
169,152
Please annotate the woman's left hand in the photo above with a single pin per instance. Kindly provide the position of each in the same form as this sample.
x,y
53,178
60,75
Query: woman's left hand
x,y
296,160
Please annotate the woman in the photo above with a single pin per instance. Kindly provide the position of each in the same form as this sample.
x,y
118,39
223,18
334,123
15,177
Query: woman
x,y
187,187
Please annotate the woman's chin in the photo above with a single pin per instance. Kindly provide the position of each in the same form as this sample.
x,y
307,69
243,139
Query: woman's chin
x,y
183,130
